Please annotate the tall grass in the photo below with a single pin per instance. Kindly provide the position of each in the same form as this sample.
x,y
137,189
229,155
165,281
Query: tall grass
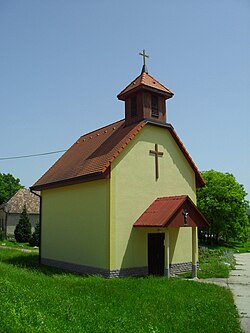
x,y
215,263
35,299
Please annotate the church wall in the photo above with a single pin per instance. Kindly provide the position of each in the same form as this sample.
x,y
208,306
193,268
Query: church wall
x,y
75,221
133,189
180,245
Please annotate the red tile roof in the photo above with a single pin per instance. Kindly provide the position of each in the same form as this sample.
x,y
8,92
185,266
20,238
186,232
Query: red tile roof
x,y
168,212
145,80
92,154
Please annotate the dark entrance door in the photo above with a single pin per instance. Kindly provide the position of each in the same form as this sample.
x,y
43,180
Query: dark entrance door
x,y
156,254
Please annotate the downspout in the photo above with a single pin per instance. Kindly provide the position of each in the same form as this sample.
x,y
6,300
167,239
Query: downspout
x,y
40,223
5,223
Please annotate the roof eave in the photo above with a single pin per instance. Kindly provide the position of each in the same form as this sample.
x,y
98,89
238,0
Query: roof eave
x,y
72,181
123,95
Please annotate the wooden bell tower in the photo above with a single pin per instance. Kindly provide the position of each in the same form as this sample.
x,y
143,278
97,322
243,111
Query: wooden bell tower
x,y
145,98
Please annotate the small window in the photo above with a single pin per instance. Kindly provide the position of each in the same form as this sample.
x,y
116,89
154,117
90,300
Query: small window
x,y
154,106
133,107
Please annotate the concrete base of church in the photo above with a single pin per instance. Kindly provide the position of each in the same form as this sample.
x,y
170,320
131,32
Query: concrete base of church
x,y
183,267
76,268
123,272
180,267
135,271
88,270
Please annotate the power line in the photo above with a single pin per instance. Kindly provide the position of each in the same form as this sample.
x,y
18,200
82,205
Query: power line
x,y
31,155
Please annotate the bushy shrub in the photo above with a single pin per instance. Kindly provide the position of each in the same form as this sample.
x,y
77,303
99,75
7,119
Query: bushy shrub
x,y
23,229
35,238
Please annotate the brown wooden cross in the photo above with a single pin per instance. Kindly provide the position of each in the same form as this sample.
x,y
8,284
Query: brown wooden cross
x,y
157,153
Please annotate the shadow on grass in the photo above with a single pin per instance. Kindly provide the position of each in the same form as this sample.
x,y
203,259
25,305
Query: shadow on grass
x,y
31,262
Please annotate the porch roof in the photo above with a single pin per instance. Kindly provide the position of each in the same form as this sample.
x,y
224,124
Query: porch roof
x,y
174,211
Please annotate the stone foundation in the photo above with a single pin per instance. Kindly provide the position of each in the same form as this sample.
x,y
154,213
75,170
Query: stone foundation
x,y
88,270
181,267
76,268
134,271
123,272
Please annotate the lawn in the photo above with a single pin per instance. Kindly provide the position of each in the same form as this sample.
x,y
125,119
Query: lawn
x,y
39,299
215,263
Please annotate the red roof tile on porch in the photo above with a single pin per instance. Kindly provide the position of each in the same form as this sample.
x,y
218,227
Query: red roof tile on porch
x,y
168,212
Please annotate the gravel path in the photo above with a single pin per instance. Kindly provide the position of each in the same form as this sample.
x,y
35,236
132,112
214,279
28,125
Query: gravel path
x,y
239,283
18,248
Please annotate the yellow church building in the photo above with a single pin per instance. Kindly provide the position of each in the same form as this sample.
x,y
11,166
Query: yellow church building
x,y
121,200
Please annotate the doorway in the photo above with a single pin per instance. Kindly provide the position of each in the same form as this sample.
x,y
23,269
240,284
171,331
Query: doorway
x,y
156,253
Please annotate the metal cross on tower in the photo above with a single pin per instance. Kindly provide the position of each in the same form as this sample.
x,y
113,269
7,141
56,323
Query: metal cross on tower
x,y
144,55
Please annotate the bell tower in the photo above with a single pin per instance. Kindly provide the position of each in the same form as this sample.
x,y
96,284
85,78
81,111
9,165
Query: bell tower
x,y
145,98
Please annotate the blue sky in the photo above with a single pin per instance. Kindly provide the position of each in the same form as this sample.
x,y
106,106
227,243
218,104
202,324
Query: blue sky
x,y
62,63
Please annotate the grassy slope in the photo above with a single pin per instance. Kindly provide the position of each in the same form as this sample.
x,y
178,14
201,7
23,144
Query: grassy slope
x,y
37,299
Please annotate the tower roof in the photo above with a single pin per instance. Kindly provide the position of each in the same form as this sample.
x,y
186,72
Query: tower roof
x,y
145,81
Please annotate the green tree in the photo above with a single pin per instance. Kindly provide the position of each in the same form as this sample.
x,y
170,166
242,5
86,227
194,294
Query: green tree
x,y
222,201
23,229
9,185
35,238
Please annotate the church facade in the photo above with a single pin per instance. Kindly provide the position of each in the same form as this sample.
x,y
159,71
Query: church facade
x,y
121,201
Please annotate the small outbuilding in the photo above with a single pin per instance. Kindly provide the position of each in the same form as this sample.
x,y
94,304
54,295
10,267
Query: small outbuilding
x,y
11,210
121,201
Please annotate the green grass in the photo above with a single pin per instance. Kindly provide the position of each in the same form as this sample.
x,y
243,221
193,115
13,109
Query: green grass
x,y
40,299
215,263
239,247
236,246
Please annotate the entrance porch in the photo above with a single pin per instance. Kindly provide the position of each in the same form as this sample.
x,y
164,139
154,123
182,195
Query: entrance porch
x,y
165,217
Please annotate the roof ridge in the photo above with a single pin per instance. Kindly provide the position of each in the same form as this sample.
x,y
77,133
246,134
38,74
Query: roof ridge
x,y
130,84
152,77
184,198
137,127
103,127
